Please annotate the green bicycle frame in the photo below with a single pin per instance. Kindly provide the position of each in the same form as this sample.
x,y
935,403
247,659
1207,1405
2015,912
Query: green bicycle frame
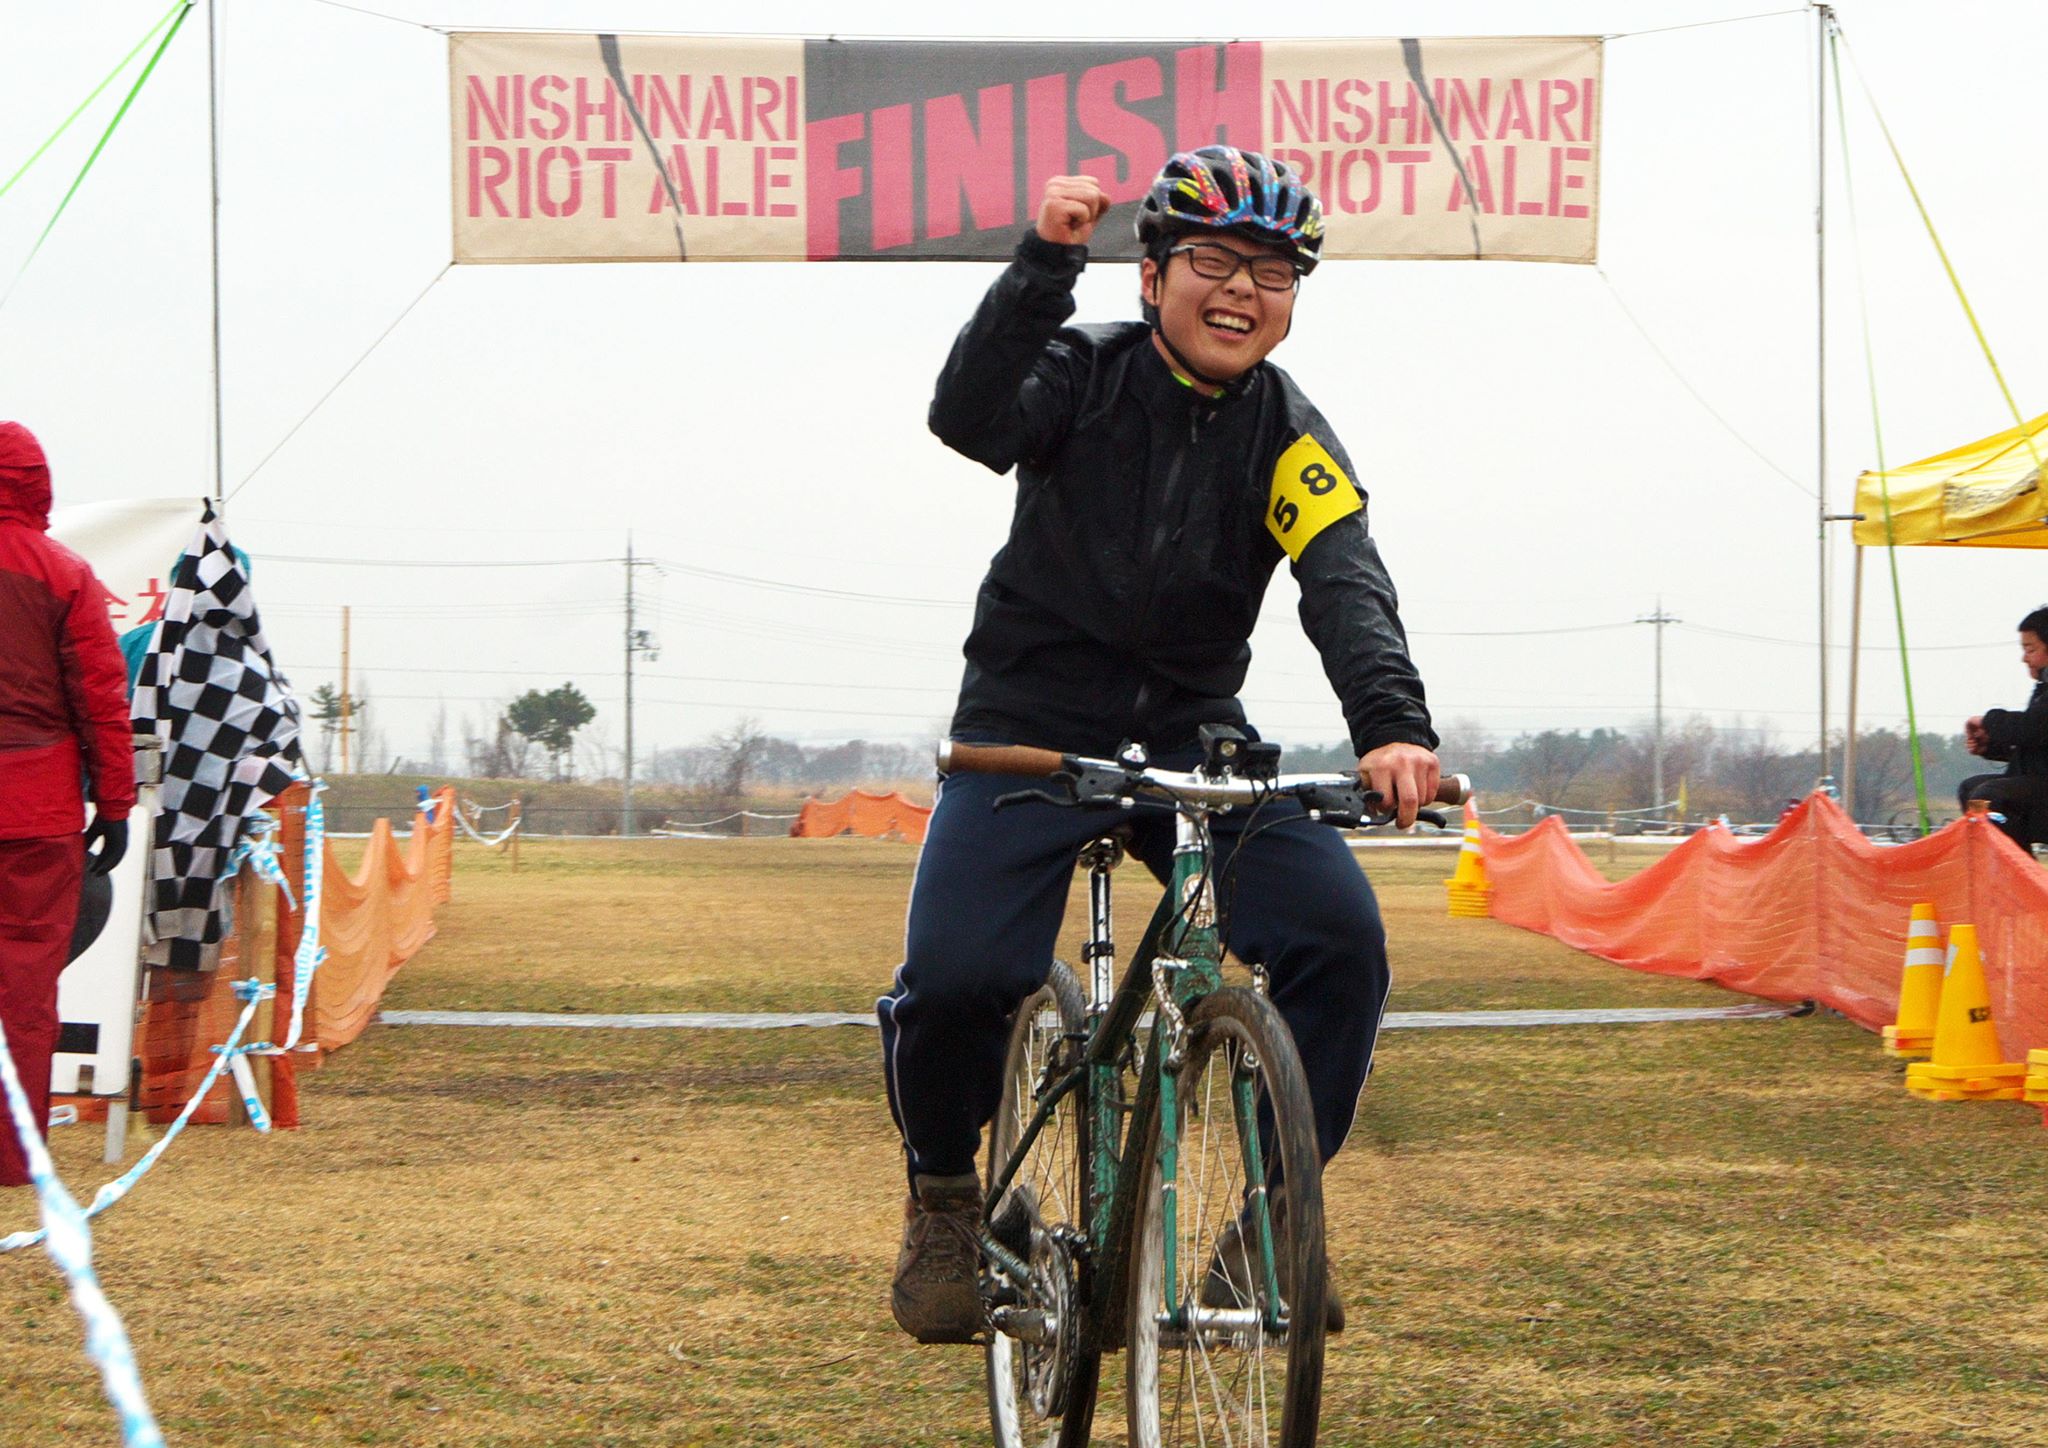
x,y
1175,974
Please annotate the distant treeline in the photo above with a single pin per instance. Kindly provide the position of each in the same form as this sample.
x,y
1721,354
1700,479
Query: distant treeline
x,y
1742,772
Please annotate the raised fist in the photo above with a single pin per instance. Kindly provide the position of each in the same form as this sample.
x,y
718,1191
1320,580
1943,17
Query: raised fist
x,y
1072,206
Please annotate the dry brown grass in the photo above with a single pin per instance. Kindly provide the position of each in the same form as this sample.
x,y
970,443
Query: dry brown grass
x,y
1707,1234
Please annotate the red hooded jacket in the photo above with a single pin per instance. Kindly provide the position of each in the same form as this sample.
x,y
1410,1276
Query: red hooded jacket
x,y
63,686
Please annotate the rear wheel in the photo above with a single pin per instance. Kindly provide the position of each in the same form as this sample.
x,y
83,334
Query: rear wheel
x,y
1041,1384
1214,1356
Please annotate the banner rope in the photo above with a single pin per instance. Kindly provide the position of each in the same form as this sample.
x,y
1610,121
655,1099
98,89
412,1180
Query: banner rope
x,y
1683,381
293,432
93,95
1891,542
107,135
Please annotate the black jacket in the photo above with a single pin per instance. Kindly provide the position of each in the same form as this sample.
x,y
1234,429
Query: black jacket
x,y
2020,737
1149,520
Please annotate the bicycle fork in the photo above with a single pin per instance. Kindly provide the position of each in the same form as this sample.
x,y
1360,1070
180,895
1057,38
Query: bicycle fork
x,y
1179,980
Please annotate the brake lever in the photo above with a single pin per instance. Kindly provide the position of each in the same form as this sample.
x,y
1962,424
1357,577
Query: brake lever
x,y
1033,796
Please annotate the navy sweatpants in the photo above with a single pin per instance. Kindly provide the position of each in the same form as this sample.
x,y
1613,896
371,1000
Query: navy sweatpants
x,y
985,913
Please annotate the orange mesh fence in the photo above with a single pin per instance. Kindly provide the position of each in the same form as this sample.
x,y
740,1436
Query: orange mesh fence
x,y
375,920
878,815
1812,911
371,923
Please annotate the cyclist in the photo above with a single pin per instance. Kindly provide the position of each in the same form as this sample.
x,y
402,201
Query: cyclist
x,y
1164,469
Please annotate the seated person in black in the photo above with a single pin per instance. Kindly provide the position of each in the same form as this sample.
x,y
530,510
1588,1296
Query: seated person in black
x,y
2018,738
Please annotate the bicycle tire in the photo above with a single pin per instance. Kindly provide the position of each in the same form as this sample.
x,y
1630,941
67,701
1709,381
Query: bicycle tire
x,y
1051,1186
1200,1389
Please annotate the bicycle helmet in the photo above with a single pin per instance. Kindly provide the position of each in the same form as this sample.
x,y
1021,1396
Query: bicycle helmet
x,y
1221,188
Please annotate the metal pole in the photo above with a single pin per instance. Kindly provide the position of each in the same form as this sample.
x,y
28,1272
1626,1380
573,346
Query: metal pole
x,y
1823,15
1657,758
1855,660
213,161
626,802
347,700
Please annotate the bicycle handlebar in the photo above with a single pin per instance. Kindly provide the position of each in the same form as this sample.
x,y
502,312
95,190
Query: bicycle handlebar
x,y
1339,799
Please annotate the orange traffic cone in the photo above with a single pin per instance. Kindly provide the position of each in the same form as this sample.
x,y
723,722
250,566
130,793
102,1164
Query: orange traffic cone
x,y
1912,1034
1966,1064
1469,890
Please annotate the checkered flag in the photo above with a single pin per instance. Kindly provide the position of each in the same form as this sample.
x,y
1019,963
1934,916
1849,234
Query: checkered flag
x,y
230,728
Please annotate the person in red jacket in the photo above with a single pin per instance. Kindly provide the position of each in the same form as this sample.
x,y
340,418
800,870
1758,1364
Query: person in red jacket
x,y
63,730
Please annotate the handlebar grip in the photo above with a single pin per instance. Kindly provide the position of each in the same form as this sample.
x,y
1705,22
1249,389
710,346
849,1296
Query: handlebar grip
x,y
957,758
1454,789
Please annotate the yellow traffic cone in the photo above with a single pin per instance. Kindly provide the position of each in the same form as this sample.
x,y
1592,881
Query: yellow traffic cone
x,y
1469,889
1912,1034
1966,1064
2037,1082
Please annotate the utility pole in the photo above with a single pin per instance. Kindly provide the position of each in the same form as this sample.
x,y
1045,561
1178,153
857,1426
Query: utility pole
x,y
1660,618
638,641
347,700
1824,17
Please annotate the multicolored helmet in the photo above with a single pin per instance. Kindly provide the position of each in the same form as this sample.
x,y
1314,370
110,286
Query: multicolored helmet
x,y
1221,188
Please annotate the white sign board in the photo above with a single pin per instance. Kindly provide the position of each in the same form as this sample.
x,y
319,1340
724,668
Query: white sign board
x,y
96,995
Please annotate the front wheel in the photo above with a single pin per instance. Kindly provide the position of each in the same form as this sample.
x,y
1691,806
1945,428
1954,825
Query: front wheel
x,y
1041,1383
1230,1348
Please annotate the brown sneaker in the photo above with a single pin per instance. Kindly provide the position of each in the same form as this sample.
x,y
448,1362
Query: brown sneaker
x,y
935,1297
1231,1273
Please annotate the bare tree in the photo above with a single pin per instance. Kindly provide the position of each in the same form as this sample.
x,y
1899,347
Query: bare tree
x,y
437,752
740,750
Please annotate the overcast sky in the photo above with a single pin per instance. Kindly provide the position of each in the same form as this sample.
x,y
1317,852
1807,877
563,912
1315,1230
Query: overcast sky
x,y
1533,464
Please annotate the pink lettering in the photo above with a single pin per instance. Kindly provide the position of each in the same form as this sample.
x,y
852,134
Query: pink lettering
x,y
484,183
830,182
1205,112
1140,149
957,160
1408,161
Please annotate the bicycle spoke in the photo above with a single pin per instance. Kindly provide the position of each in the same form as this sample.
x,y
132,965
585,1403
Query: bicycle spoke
x,y
1237,1383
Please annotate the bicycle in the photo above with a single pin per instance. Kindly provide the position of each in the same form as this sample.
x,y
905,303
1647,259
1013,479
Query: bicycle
x,y
1183,1223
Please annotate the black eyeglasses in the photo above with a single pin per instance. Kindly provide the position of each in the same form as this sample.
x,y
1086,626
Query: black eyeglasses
x,y
1219,264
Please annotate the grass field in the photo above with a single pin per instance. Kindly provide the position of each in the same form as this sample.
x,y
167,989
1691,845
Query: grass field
x,y
1724,1234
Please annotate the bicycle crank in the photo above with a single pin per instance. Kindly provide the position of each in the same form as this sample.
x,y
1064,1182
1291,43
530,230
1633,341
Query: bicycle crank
x,y
1048,1326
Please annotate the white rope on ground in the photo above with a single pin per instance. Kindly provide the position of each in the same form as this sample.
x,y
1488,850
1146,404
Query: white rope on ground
x,y
747,814
763,1021
69,1244
489,842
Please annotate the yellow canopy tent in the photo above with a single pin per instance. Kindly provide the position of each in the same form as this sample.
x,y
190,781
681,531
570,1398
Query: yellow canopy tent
x,y
1984,494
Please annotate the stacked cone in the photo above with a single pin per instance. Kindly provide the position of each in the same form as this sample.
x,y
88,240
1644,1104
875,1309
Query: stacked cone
x,y
1470,892
1912,1034
2037,1082
1965,1064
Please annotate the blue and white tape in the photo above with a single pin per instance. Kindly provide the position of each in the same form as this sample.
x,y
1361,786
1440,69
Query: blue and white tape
x,y
68,1240
258,850
306,961
251,992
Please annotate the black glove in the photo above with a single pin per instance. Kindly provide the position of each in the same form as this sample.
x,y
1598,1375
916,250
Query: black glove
x,y
112,838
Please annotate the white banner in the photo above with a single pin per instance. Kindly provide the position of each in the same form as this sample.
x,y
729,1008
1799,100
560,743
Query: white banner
x,y
132,544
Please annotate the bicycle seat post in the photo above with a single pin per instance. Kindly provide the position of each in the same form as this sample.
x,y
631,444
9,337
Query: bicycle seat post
x,y
1099,954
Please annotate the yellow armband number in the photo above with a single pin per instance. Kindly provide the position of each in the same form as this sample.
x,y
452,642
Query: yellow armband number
x,y
1310,492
